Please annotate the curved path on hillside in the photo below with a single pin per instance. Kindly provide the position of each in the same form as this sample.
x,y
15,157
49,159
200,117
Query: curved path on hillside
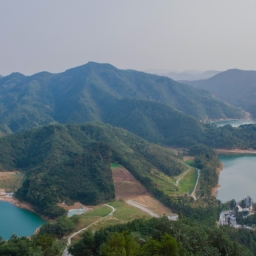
x,y
194,190
141,207
65,253
183,174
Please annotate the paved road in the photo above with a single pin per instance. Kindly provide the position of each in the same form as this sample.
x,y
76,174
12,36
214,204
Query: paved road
x,y
194,190
65,253
131,202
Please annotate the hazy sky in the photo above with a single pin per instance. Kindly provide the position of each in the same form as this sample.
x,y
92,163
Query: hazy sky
x,y
55,35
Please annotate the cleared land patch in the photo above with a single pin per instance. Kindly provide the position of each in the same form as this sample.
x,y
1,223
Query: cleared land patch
x,y
153,205
10,181
89,217
122,214
126,186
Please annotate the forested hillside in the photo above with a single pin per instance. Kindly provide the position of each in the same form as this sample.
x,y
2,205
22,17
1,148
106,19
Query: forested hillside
x,y
164,237
237,87
93,92
72,163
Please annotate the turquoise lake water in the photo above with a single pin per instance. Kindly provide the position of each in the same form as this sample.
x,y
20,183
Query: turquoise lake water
x,y
14,220
238,177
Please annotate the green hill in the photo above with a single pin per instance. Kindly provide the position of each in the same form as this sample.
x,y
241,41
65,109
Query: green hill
x,y
72,163
87,93
237,87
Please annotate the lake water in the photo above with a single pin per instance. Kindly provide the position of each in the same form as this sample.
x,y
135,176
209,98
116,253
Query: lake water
x,y
18,221
238,177
235,123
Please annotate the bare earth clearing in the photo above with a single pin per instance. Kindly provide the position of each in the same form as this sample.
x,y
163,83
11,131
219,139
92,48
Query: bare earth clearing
x,y
10,181
127,188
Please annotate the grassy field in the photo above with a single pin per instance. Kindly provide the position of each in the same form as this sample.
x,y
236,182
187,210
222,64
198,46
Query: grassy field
x,y
165,182
187,183
114,165
190,162
122,214
89,217
10,181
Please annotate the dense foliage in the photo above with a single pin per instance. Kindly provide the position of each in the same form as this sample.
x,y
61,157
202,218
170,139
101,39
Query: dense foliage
x,y
229,137
60,227
91,92
39,245
72,163
207,161
161,237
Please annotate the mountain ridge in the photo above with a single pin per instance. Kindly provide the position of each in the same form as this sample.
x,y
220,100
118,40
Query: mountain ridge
x,y
85,93
237,87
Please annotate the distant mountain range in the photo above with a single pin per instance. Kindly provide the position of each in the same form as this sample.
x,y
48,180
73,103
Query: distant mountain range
x,y
102,92
237,87
189,75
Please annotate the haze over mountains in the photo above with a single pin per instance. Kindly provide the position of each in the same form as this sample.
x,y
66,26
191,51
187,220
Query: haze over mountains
x,y
89,92
237,87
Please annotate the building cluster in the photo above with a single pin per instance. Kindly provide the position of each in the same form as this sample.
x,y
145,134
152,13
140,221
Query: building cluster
x,y
228,217
6,194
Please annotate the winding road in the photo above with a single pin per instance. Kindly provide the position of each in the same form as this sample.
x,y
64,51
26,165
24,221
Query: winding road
x,y
194,190
65,253
135,204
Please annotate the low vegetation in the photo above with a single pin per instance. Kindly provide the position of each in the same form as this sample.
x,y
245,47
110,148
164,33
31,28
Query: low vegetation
x,y
187,182
10,181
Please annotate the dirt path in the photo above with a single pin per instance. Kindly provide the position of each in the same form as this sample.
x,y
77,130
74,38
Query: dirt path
x,y
143,208
183,174
194,190
65,253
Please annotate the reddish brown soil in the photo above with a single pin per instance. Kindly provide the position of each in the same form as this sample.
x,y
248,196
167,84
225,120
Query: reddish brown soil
x,y
126,186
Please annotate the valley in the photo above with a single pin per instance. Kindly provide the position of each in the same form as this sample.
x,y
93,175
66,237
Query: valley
x,y
127,128
145,155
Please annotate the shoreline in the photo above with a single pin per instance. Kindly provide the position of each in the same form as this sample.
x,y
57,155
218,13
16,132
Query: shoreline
x,y
22,205
216,188
18,203
235,151
220,168
247,116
